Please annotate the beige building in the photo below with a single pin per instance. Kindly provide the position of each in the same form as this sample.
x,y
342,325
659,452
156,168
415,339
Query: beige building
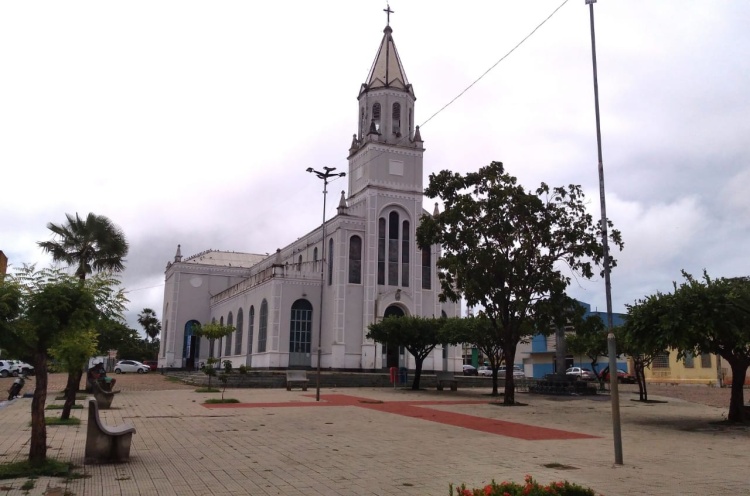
x,y
702,369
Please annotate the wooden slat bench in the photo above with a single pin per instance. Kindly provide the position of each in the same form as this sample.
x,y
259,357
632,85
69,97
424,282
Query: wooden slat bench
x,y
105,444
446,378
103,398
296,378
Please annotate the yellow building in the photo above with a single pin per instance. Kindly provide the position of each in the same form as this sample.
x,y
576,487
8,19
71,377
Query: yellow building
x,y
701,369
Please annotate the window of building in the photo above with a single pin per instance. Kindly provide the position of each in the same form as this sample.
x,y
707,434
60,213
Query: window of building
x,y
661,361
411,125
405,254
250,329
300,327
393,225
706,360
238,334
396,119
355,260
263,327
315,259
376,116
221,340
299,263
330,261
689,360
427,267
228,337
361,122
381,251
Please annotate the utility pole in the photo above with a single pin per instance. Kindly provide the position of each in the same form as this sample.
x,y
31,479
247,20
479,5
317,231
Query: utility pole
x,y
611,345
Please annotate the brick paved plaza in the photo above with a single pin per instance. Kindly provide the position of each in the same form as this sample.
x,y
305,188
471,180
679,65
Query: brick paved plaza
x,y
365,441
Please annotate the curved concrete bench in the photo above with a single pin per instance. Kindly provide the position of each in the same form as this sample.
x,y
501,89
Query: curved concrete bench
x,y
296,378
103,398
106,444
446,379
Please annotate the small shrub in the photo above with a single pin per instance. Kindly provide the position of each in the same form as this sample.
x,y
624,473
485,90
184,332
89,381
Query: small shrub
x,y
227,366
242,369
212,401
530,488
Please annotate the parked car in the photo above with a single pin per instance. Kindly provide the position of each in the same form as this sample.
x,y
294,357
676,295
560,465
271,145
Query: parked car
x,y
581,372
154,364
7,368
124,366
24,367
622,376
517,372
470,370
484,371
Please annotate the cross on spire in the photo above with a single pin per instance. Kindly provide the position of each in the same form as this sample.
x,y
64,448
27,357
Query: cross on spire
x,y
388,13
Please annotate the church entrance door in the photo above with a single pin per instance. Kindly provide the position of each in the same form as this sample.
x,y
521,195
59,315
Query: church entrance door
x,y
391,351
300,334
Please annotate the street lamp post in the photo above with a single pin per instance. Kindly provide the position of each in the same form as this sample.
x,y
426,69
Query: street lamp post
x,y
325,176
611,345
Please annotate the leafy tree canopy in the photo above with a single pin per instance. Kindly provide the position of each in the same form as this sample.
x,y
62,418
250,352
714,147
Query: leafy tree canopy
x,y
504,247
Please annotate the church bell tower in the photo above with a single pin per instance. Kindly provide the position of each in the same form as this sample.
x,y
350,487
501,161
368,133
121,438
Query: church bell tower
x,y
386,152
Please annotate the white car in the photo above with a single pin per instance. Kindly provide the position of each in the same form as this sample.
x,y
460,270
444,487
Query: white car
x,y
485,371
124,366
582,372
8,367
517,372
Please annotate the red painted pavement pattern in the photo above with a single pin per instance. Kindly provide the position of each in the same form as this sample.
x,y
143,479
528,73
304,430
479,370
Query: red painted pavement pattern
x,y
415,409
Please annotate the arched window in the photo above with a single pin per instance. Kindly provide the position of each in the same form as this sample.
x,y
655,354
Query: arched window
x,y
405,254
396,117
411,132
228,337
315,259
221,340
330,261
263,326
300,327
299,263
250,329
361,122
381,251
355,260
393,247
427,267
238,334
376,116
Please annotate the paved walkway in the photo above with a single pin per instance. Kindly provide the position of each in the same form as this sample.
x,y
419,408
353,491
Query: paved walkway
x,y
387,442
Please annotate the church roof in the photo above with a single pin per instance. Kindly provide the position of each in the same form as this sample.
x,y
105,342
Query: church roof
x,y
387,70
225,258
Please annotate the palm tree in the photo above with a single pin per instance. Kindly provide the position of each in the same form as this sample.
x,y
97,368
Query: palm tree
x,y
91,244
149,322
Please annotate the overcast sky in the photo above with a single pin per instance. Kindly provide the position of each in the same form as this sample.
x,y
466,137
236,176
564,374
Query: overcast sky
x,y
192,123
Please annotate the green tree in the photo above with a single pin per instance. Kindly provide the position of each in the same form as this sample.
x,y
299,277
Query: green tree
x,y
589,340
419,335
212,332
702,316
151,325
41,309
641,347
72,351
90,244
479,332
504,248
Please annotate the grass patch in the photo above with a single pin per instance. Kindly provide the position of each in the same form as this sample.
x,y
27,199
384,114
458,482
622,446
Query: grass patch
x,y
207,390
50,468
28,485
78,397
219,400
173,379
60,407
59,421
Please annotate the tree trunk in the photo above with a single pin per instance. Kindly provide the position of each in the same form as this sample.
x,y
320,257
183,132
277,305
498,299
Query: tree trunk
x,y
417,372
737,400
38,445
509,395
71,389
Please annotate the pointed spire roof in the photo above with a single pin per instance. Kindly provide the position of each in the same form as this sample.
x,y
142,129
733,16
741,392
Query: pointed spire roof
x,y
387,70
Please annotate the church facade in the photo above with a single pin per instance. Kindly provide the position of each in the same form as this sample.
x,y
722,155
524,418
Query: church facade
x,y
362,265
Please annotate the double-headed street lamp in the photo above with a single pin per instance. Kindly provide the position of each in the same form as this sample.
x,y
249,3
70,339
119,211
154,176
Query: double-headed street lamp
x,y
325,176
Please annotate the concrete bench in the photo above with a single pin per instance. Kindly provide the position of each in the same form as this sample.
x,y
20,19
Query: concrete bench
x,y
446,378
103,398
296,378
105,444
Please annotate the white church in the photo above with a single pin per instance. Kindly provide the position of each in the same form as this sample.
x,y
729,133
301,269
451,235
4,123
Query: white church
x,y
365,261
